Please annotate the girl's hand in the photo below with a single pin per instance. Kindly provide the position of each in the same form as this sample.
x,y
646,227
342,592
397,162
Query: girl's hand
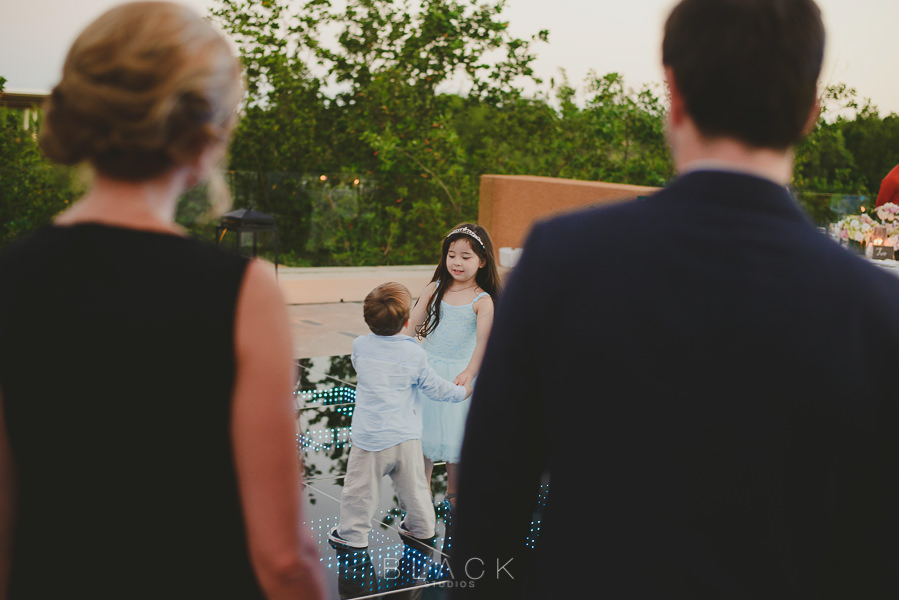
x,y
464,378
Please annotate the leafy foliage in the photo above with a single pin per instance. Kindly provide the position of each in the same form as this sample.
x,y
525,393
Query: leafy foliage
x,y
840,164
32,190
367,125
389,159
380,166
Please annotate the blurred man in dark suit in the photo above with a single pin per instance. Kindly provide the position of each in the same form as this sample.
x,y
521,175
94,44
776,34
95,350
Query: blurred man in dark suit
x,y
706,381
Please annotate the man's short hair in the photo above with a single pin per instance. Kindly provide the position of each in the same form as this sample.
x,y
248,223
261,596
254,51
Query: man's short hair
x,y
747,69
386,308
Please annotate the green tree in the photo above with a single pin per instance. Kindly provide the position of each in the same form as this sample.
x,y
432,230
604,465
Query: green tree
x,y
838,166
620,134
32,189
616,134
873,143
366,128
386,119
823,163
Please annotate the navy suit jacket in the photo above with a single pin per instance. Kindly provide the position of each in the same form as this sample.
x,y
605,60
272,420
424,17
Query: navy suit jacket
x,y
709,385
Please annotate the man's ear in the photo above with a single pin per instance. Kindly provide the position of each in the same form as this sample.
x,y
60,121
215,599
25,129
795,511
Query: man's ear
x,y
813,116
677,111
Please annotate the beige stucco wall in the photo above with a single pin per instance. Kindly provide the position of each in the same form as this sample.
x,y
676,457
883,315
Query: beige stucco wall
x,y
510,204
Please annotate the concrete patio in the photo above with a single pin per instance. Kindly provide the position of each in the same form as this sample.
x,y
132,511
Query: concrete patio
x,y
325,303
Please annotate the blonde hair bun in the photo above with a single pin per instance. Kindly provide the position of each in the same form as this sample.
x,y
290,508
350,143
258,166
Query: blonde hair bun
x,y
145,87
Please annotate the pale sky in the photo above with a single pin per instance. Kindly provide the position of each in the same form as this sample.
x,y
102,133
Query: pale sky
x,y
602,35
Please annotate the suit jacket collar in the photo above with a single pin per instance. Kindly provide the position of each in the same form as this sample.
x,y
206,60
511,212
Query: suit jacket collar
x,y
735,190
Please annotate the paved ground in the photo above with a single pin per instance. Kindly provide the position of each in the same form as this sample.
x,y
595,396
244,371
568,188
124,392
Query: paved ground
x,y
325,329
325,304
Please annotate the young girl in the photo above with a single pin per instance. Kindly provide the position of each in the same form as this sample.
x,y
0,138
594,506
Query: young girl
x,y
453,315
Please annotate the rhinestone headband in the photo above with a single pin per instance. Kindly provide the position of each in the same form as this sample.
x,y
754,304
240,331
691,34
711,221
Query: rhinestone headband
x,y
467,231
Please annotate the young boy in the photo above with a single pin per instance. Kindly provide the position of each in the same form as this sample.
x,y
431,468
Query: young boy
x,y
386,428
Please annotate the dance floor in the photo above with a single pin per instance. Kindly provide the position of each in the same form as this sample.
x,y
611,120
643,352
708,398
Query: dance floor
x,y
388,567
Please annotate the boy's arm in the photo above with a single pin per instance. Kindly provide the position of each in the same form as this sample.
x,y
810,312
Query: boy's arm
x,y
354,354
436,387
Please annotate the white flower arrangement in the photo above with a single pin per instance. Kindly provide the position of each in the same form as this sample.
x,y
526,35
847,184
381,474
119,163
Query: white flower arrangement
x,y
859,228
887,212
854,227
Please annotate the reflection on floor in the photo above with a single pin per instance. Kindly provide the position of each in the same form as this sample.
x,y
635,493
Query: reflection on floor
x,y
389,567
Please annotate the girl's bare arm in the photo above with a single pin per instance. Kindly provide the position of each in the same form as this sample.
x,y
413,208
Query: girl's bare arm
x,y
484,310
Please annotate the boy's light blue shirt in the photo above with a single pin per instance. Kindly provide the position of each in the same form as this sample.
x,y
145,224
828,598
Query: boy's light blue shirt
x,y
389,372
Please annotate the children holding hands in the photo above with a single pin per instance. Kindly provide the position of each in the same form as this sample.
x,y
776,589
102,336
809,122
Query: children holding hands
x,y
386,429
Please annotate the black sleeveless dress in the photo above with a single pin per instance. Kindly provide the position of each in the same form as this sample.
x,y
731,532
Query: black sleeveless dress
x,y
117,366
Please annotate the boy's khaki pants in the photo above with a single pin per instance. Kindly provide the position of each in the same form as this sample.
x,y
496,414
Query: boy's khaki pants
x,y
362,489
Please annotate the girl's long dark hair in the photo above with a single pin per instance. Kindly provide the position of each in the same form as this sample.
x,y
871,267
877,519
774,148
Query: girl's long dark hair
x,y
487,277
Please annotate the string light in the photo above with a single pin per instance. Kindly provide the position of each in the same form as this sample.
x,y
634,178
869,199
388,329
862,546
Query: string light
x,y
334,395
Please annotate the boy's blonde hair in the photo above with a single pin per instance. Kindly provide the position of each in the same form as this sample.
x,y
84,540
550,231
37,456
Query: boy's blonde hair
x,y
386,308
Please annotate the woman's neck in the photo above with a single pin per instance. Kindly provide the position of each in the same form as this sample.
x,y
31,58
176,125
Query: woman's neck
x,y
148,204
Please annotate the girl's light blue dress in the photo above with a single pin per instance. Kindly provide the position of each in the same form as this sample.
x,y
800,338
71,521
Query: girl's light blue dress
x,y
449,349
